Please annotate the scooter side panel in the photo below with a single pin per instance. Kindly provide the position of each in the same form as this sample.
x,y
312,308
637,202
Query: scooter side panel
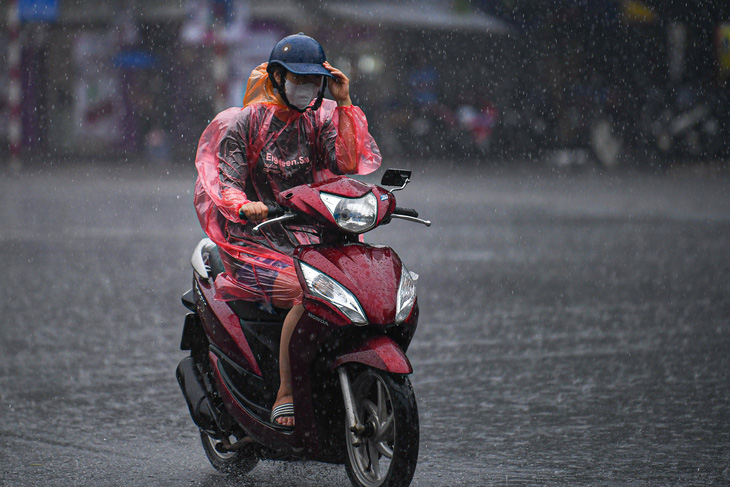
x,y
224,328
283,442
306,342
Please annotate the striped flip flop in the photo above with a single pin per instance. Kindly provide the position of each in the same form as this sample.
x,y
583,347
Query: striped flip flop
x,y
286,409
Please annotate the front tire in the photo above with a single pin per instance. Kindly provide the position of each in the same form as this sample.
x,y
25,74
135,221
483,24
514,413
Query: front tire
x,y
239,462
386,455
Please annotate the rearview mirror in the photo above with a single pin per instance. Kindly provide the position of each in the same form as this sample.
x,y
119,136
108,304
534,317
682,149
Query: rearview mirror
x,y
395,177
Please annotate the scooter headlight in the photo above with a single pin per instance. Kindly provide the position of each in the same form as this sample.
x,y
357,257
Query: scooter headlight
x,y
406,295
355,215
323,286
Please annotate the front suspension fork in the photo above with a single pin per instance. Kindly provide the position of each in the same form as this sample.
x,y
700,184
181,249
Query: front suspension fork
x,y
353,423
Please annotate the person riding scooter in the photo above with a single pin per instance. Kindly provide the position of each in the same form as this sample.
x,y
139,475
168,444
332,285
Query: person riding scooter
x,y
285,135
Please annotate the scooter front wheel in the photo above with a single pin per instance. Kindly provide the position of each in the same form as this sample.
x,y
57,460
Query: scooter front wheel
x,y
237,462
385,453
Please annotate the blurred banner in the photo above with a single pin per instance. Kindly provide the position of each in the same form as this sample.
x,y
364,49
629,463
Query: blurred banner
x,y
224,25
98,111
4,86
245,57
38,10
723,49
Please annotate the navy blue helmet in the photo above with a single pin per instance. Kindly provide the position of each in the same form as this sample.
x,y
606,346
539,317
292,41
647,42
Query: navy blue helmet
x,y
299,54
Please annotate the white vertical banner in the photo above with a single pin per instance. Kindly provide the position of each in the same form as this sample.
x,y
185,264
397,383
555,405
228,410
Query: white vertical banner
x,y
98,106
223,26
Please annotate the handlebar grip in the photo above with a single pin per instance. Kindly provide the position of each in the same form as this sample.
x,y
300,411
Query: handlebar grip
x,y
405,212
275,211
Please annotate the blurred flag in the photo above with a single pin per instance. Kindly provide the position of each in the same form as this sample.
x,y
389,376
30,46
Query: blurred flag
x,y
635,12
723,49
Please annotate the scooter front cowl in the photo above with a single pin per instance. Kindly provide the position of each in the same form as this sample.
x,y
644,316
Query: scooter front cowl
x,y
371,273
379,352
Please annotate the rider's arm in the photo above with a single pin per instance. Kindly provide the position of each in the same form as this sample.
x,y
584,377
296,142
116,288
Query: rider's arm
x,y
355,151
348,146
233,172
347,142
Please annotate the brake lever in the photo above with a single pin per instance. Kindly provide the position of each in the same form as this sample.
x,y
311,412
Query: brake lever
x,y
287,216
411,219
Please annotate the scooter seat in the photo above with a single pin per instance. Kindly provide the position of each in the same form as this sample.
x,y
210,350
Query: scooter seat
x,y
245,310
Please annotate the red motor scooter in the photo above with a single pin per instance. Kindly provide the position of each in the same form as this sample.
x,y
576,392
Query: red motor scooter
x,y
353,400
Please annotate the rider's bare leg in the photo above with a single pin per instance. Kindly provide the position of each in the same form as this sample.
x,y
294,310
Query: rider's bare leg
x,y
285,390
287,291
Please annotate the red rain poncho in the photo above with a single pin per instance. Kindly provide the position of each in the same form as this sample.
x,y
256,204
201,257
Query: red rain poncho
x,y
254,153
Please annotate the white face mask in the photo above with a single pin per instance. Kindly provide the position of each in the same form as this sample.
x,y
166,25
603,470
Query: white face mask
x,y
300,95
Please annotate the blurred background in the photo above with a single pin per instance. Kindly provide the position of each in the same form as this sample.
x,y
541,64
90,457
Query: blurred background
x,y
574,291
568,81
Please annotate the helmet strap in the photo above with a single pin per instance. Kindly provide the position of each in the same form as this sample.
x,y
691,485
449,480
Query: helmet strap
x,y
320,96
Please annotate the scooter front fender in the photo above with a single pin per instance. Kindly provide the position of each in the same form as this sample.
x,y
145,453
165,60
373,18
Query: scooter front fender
x,y
379,352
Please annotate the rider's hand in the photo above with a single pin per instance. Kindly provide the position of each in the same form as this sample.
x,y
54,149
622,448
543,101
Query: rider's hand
x,y
339,86
255,211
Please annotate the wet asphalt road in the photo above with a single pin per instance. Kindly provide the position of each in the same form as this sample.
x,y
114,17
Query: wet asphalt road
x,y
575,328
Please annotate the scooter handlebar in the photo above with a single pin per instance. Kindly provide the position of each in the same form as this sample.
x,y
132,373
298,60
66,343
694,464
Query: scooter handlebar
x,y
409,214
405,212
276,214
279,214
275,211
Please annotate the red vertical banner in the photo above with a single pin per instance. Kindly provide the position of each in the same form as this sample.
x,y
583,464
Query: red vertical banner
x,y
14,89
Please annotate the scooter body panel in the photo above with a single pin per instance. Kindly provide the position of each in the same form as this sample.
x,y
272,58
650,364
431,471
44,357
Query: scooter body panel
x,y
379,352
305,198
223,327
228,345
305,441
371,273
